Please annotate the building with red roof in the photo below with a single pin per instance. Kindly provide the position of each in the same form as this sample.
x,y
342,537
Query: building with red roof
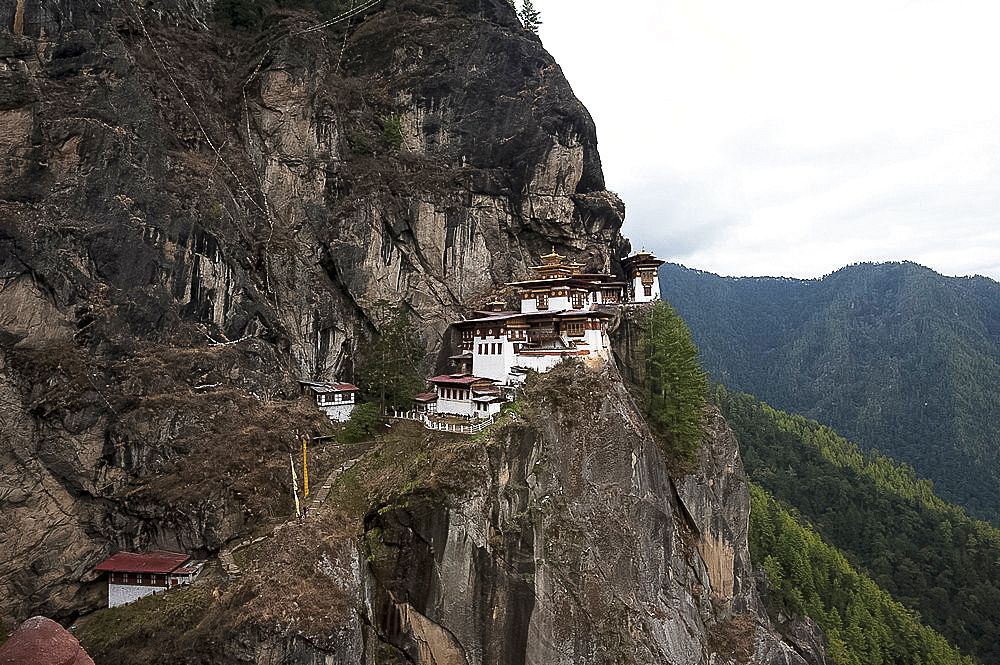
x,y
132,576
466,395
563,314
336,400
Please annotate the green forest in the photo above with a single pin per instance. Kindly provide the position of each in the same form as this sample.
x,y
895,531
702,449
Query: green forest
x,y
863,624
893,356
928,554
672,394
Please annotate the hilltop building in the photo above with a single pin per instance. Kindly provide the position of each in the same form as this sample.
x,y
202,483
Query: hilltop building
x,y
563,313
643,281
132,576
465,395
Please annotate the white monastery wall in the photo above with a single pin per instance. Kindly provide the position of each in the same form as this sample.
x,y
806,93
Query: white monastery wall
x,y
639,290
120,594
338,412
456,406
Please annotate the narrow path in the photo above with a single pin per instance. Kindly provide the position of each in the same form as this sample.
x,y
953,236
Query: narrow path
x,y
316,500
312,504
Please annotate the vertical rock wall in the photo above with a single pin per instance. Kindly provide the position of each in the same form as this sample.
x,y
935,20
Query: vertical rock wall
x,y
580,548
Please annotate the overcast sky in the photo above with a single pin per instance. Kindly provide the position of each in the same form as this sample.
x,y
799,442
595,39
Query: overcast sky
x,y
794,137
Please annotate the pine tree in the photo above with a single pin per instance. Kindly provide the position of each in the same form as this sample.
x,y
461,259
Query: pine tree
x,y
674,386
389,370
530,16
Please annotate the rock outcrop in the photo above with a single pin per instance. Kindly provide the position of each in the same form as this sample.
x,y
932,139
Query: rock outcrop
x,y
170,184
42,641
579,547
194,215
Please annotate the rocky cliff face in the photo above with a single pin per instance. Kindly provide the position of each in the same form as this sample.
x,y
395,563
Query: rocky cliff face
x,y
578,547
169,183
559,537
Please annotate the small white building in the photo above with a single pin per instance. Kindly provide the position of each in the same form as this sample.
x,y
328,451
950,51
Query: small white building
x,y
132,576
336,400
466,395
641,269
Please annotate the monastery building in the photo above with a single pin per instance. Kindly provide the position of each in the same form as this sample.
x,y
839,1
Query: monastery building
x,y
563,313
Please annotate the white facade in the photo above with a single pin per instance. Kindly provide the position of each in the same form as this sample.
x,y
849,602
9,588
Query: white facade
x,y
458,407
120,594
648,292
486,407
466,395
336,400
337,406
492,351
497,348
539,361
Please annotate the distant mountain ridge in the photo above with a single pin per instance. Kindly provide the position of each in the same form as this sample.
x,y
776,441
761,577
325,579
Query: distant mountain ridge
x,y
894,356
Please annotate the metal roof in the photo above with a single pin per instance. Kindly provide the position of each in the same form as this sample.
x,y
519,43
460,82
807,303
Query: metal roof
x,y
323,388
153,562
458,379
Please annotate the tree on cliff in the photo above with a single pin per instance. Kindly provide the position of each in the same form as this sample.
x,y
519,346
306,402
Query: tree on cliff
x,y
530,16
388,371
674,387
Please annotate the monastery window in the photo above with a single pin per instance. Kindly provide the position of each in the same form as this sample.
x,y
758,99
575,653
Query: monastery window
x,y
648,290
542,301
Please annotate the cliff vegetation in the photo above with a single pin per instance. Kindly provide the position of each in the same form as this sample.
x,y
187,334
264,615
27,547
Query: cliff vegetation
x,y
928,554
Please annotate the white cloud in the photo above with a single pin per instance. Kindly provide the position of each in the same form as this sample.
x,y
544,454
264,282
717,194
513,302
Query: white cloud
x,y
791,138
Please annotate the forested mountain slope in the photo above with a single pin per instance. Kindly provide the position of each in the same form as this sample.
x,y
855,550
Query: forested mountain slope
x,y
864,625
893,356
927,553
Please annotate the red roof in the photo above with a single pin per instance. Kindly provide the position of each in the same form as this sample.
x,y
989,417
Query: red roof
x,y
457,379
342,387
425,397
154,562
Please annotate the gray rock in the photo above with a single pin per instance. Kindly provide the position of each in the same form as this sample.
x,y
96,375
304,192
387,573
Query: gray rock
x,y
581,548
